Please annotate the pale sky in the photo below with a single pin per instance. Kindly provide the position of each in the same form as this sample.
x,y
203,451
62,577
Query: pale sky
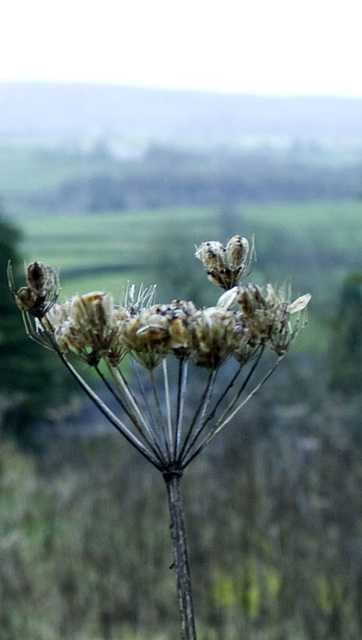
x,y
263,46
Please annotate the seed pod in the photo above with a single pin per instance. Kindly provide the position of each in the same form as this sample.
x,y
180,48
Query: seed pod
x,y
237,250
228,298
40,277
212,255
25,299
299,304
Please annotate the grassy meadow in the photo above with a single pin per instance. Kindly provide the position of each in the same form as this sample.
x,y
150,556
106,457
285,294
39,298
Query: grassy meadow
x,y
29,169
315,245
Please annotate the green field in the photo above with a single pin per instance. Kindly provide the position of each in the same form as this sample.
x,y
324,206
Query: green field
x,y
26,170
320,233
122,241
316,245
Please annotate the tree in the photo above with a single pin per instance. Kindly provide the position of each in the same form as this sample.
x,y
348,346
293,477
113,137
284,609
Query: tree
x,y
29,381
346,350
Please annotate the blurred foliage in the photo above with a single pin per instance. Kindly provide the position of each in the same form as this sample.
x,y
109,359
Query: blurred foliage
x,y
168,175
31,379
166,179
172,263
76,177
274,520
346,343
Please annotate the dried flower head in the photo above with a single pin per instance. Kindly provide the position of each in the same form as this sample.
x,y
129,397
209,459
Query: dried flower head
x,y
182,328
219,333
146,335
226,266
85,325
41,291
267,315
244,321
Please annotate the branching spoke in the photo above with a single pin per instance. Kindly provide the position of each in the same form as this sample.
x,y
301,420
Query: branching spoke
x,y
168,406
120,426
242,387
212,413
181,393
230,385
142,391
144,431
201,423
150,435
113,419
249,396
221,425
200,409
128,399
160,415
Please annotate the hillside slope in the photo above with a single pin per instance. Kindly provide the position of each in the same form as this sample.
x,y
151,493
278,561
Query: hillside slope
x,y
32,108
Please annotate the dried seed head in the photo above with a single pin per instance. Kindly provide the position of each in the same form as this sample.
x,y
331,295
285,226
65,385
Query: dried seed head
x,y
225,266
56,316
181,328
212,255
41,277
218,333
262,310
146,335
92,311
285,332
41,291
26,299
92,328
237,250
87,326
267,315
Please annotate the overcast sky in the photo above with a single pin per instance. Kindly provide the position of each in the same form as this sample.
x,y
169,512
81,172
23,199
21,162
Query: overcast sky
x,y
263,46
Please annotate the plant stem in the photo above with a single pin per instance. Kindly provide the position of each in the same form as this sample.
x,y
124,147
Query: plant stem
x,y
178,535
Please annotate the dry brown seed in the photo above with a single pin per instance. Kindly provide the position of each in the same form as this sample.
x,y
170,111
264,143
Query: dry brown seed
x,y
237,250
25,299
40,277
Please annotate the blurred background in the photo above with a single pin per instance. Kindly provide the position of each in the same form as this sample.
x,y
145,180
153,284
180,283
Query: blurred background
x,y
129,133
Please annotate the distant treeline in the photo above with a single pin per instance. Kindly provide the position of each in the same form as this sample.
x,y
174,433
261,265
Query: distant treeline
x,y
168,176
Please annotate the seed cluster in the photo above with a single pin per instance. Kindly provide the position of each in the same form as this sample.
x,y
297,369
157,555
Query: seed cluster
x,y
40,292
225,266
93,327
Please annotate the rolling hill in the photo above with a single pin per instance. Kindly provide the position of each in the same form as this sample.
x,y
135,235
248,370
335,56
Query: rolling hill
x,y
66,109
